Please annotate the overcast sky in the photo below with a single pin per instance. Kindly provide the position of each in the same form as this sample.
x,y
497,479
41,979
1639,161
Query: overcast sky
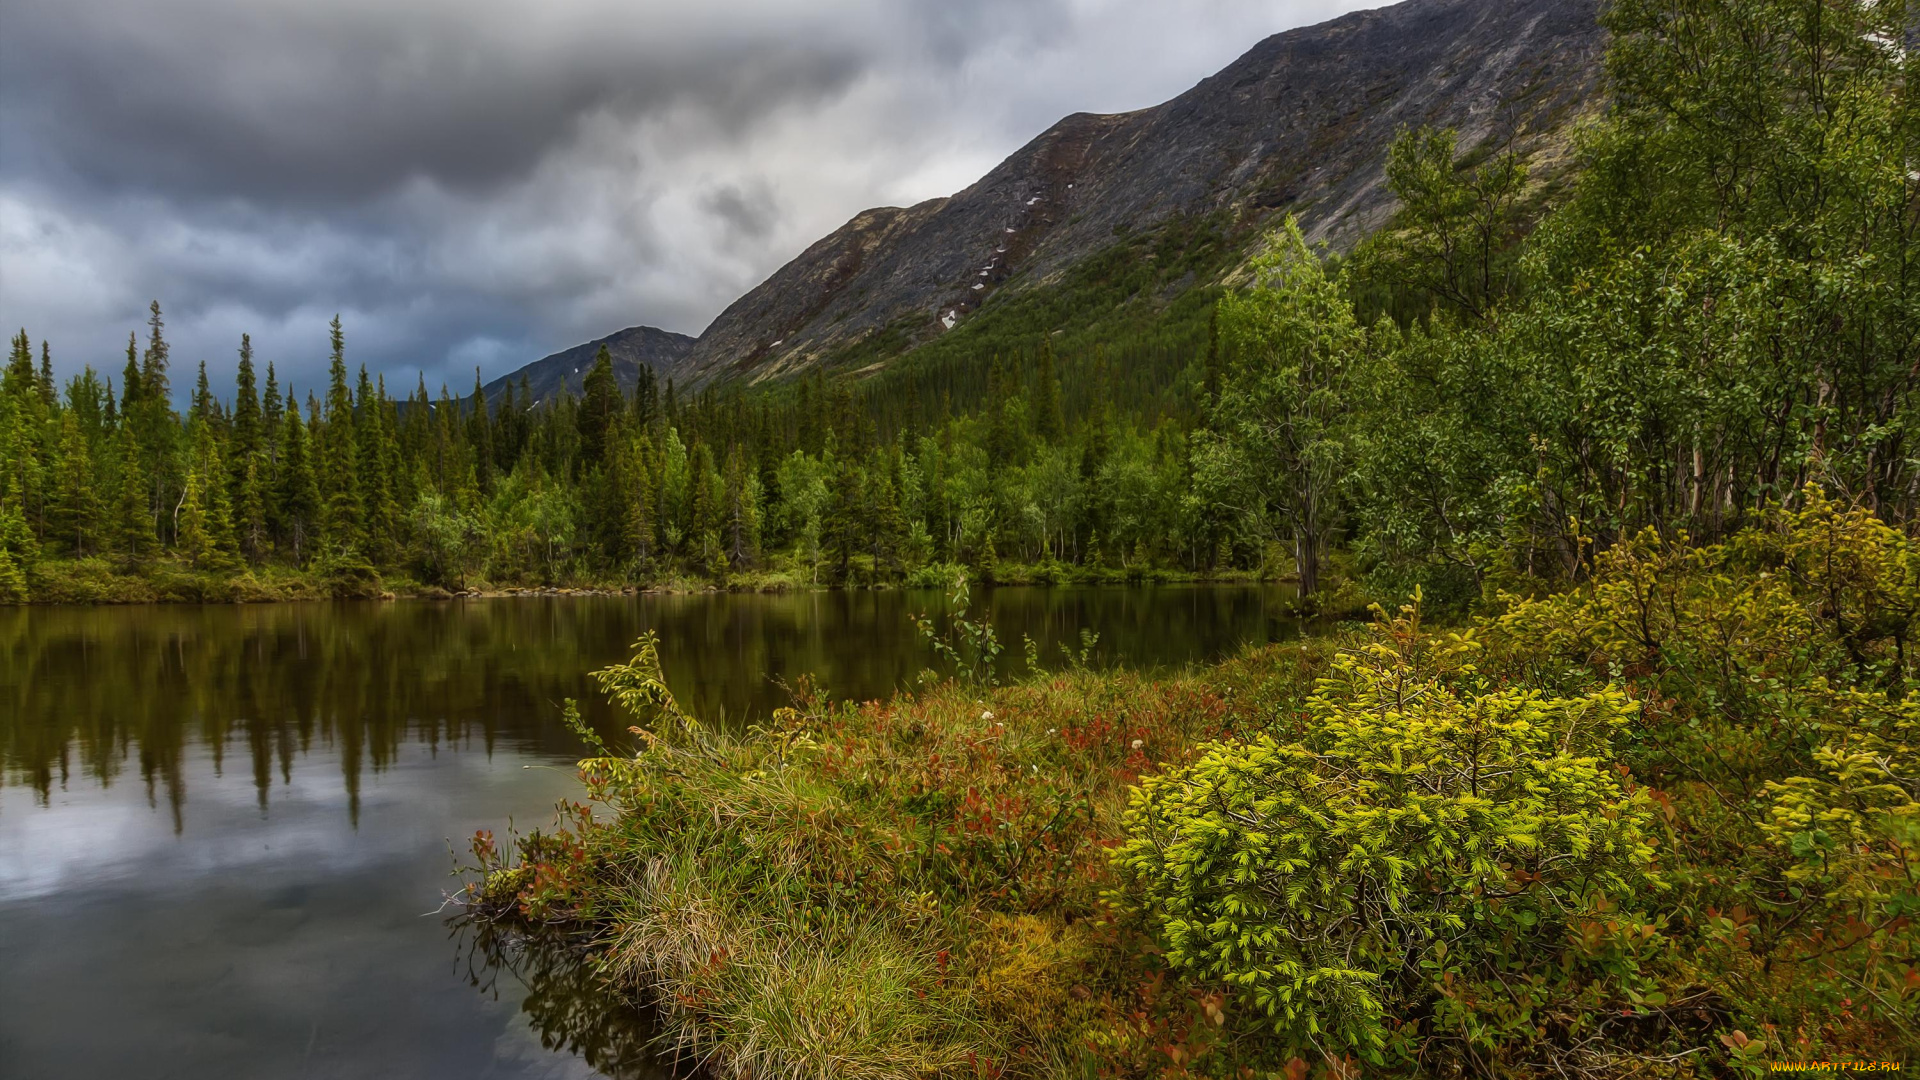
x,y
482,182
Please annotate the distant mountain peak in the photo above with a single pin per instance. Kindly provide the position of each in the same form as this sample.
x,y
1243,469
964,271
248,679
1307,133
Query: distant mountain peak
x,y
630,349
1298,124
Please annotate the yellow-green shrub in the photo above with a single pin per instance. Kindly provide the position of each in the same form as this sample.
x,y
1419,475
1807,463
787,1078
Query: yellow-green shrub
x,y
1430,831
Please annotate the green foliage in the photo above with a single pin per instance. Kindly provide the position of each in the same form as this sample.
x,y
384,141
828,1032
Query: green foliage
x,y
1778,734
1277,449
1430,837
900,889
1459,227
971,646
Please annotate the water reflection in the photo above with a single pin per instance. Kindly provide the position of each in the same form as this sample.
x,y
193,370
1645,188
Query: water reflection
x,y
566,1002
101,693
226,828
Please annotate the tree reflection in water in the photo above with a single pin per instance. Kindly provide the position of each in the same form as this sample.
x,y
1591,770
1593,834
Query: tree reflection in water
x,y
567,1002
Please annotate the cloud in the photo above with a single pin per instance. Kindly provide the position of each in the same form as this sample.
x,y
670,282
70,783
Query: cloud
x,y
483,182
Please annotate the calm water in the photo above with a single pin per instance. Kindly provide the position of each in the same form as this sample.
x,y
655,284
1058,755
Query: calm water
x,y
224,831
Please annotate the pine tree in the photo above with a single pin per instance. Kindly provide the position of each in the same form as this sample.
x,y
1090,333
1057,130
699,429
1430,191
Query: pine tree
x,y
271,417
250,509
202,398
340,523
75,515
130,394
742,511
134,538
599,409
643,506
703,526
16,551
155,427
372,467
49,393
480,435
19,380
1048,422
245,435
296,491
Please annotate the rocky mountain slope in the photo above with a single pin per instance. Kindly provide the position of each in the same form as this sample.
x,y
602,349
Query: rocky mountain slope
x,y
1301,123
661,350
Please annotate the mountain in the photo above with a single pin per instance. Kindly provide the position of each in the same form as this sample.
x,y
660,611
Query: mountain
x,y
1301,123
661,350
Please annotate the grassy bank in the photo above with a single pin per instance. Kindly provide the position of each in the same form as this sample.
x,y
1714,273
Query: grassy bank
x,y
949,848
1661,825
110,581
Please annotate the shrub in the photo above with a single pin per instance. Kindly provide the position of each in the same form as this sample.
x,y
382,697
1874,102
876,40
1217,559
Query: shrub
x,y
1430,838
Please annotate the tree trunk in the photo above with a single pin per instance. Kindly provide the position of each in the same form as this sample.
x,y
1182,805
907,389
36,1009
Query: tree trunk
x,y
1306,559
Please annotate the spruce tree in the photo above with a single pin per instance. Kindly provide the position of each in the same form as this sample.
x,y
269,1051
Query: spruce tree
x,y
271,417
202,398
480,435
153,363
17,551
245,435
371,469
296,490
250,509
340,523
134,538
75,513
742,511
1049,424
222,550
130,378
191,537
19,380
154,423
644,503
49,393
599,409
704,514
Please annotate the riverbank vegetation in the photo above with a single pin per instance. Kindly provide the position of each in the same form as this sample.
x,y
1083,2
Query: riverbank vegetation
x,y
1662,823
1645,806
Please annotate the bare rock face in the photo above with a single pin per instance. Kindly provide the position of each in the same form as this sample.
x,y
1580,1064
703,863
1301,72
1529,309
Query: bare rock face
x,y
631,349
1301,123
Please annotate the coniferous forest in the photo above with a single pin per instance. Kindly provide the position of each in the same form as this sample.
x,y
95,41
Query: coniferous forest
x,y
1721,312
1643,804
821,483
1617,776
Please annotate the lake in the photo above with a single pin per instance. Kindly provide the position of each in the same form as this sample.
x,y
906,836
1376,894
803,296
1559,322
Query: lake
x,y
226,832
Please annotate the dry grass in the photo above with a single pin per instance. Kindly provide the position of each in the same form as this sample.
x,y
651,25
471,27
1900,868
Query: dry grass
x,y
902,889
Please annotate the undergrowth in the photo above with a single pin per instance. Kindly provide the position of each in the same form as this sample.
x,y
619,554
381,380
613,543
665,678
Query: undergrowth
x,y
1659,824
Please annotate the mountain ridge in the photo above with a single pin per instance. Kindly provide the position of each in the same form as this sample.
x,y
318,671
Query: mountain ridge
x,y
1299,123
631,348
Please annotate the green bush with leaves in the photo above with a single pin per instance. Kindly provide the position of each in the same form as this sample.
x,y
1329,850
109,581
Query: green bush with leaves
x,y
1780,734
1429,848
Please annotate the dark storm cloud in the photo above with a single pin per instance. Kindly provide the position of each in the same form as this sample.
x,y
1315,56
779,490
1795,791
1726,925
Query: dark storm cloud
x,y
326,103
479,182
750,215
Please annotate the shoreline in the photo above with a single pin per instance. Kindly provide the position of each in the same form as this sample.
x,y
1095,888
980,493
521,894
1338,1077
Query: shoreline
x,y
95,583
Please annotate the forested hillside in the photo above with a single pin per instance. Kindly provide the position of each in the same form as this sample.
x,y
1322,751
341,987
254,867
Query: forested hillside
x,y
1723,311
1650,807
1297,125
